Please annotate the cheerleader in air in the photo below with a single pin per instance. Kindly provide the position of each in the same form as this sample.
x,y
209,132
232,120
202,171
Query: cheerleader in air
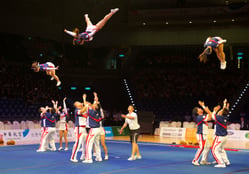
x,y
80,38
49,68
216,44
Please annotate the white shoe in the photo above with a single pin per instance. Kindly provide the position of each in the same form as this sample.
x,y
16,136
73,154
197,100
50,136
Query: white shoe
x,y
114,10
138,157
74,160
228,163
98,159
205,163
220,165
87,161
40,150
60,148
52,78
58,83
82,158
53,149
223,65
195,163
131,158
66,149
106,158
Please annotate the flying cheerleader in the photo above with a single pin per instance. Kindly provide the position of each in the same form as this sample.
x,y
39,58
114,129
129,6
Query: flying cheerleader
x,y
216,44
49,67
81,38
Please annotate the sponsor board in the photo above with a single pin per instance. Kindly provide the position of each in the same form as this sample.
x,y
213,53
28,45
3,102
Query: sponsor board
x,y
172,132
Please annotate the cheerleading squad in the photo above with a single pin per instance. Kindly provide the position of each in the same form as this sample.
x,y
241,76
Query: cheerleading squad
x,y
88,129
220,116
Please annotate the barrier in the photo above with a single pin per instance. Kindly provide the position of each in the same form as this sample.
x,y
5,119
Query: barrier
x,y
190,133
33,136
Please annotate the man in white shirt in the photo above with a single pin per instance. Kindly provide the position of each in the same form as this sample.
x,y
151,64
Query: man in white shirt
x,y
132,122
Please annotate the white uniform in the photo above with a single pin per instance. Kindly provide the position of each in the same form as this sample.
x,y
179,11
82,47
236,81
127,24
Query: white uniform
x,y
202,132
63,122
220,140
80,135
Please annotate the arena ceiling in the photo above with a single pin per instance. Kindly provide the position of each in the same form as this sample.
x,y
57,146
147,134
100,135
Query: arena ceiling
x,y
48,18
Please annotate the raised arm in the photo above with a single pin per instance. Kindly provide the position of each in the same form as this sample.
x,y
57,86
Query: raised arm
x,y
64,105
70,33
206,109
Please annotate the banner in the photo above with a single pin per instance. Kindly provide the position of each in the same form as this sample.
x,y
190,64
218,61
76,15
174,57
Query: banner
x,y
116,129
172,132
108,131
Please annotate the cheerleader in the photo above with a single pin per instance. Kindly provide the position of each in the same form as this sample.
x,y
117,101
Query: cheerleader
x,y
49,67
63,127
80,38
216,44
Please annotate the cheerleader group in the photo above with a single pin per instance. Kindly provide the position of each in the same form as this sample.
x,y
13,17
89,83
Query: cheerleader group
x,y
88,129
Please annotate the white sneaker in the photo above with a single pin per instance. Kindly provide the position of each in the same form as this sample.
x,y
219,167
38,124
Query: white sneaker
x,y
195,163
74,160
98,159
60,148
82,158
205,163
52,78
106,158
114,10
53,149
40,150
228,163
223,65
87,161
138,157
131,158
66,149
220,165
58,83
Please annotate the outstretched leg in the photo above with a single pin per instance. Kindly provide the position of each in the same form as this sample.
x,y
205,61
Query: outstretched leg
x,y
88,21
101,23
221,56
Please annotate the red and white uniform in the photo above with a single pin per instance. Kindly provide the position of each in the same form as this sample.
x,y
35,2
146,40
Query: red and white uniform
x,y
201,135
220,139
80,134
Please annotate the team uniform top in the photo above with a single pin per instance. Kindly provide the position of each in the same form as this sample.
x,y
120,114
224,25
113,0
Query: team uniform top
x,y
133,123
80,119
202,125
63,117
87,35
221,125
46,66
94,118
50,119
43,120
214,41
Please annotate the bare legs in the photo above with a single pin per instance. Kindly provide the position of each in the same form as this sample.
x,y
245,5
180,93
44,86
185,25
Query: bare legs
x,y
61,133
102,137
52,73
221,56
220,52
101,23
135,150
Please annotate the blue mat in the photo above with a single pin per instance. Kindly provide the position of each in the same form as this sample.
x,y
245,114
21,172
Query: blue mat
x,y
156,158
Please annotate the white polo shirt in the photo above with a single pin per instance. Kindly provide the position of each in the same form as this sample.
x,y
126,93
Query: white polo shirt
x,y
133,123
